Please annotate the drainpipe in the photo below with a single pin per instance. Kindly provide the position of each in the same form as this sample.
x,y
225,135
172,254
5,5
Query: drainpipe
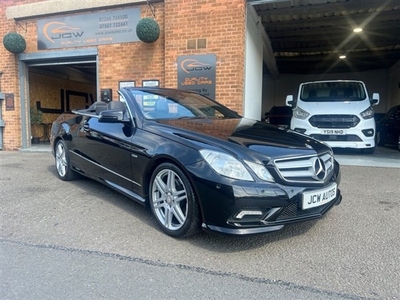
x,y
2,123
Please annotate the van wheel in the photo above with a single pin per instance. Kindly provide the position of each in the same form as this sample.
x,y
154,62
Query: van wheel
x,y
368,150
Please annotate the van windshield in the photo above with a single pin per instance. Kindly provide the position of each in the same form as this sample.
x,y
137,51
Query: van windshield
x,y
332,92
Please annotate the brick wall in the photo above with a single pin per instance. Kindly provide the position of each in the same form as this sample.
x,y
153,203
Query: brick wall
x,y
9,82
133,61
221,24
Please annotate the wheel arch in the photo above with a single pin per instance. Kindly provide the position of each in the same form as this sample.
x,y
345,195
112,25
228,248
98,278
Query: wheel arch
x,y
53,149
156,161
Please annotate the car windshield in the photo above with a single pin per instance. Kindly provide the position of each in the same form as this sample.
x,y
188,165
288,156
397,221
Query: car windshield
x,y
332,91
172,104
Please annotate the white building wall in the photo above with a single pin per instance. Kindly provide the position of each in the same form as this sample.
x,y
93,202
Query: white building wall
x,y
253,70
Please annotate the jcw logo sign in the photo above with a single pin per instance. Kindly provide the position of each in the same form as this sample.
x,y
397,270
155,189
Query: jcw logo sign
x,y
58,30
197,73
190,65
108,27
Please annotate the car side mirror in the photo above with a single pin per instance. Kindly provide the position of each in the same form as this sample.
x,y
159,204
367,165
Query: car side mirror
x,y
112,116
375,99
289,100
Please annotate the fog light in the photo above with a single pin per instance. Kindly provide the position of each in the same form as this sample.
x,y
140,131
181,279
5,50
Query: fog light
x,y
301,130
244,213
368,132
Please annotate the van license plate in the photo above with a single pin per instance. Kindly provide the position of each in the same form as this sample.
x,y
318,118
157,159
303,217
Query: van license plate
x,y
334,131
318,197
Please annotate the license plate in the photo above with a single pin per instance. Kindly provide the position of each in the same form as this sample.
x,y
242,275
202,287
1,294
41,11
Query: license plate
x,y
319,197
333,131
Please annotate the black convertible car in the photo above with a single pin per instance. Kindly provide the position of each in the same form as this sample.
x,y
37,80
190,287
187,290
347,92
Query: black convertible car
x,y
388,128
197,164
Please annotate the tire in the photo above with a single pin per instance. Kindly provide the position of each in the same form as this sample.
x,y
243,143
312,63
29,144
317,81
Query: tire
x,y
62,162
173,202
368,150
398,143
380,140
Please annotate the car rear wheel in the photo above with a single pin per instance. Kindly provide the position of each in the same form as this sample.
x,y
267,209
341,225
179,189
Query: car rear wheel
x,y
398,143
63,165
172,201
380,141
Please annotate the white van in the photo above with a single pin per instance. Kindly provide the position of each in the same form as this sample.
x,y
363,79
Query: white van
x,y
338,112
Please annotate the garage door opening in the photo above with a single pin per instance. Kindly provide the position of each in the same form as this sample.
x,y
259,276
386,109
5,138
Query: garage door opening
x,y
53,83
55,88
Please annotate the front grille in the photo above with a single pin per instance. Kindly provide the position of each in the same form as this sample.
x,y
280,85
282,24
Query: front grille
x,y
339,138
302,169
334,121
293,211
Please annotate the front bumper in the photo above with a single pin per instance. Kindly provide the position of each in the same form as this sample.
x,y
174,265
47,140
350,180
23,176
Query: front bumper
x,y
254,207
360,137
287,215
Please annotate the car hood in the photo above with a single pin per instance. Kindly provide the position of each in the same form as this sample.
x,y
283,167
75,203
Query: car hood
x,y
254,135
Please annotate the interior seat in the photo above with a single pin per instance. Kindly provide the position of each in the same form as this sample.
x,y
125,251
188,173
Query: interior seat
x,y
116,105
162,106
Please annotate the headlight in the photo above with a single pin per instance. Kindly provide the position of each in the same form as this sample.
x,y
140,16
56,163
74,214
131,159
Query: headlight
x,y
300,113
226,165
368,113
260,171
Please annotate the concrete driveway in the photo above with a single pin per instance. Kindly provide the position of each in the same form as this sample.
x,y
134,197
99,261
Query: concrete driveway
x,y
82,240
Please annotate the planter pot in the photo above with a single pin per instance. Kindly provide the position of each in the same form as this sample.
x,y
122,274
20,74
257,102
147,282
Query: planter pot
x,y
148,30
35,140
14,42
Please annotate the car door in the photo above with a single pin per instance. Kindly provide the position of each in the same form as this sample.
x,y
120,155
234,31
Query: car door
x,y
106,148
393,125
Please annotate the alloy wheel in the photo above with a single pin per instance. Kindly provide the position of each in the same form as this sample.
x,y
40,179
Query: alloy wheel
x,y
61,160
169,199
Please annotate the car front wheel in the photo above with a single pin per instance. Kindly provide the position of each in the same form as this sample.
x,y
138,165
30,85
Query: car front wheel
x,y
172,201
63,164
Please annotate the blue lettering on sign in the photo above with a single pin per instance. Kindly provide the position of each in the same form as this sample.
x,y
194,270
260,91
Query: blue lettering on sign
x,y
67,35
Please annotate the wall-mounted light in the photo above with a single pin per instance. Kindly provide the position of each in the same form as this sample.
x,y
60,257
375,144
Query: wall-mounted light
x,y
357,30
342,56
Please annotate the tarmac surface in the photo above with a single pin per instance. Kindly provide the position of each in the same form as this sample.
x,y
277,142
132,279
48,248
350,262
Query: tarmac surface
x,y
82,240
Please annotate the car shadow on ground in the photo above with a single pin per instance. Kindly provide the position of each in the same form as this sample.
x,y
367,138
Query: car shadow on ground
x,y
111,196
211,241
222,243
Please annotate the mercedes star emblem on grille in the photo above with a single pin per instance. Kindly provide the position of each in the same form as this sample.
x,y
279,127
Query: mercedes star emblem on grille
x,y
319,168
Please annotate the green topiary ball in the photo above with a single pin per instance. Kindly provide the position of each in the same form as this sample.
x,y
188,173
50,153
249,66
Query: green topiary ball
x,y
14,42
148,30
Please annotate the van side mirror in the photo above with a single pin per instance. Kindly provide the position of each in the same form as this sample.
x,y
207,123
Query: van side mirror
x,y
289,100
375,99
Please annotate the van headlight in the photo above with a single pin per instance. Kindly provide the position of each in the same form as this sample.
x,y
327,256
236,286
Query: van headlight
x,y
300,113
368,113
